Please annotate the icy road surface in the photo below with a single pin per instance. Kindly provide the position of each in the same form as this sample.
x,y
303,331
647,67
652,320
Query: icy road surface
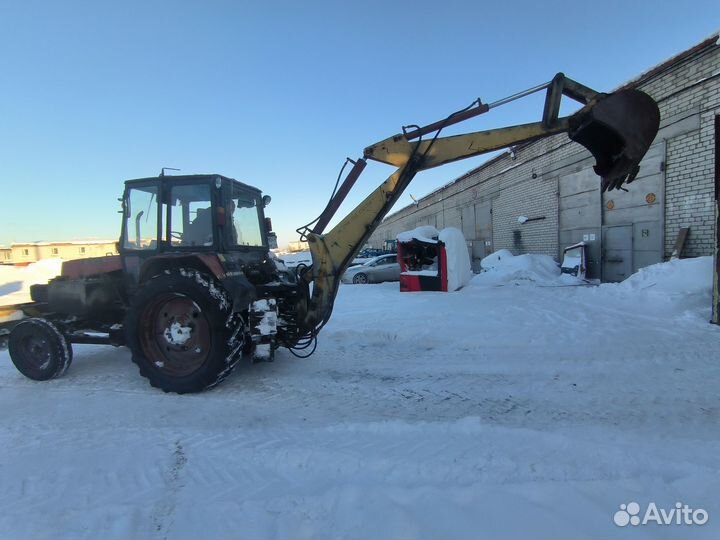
x,y
504,410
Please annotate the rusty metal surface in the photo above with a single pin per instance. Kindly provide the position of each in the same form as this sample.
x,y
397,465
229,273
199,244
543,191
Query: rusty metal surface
x,y
91,267
176,334
212,261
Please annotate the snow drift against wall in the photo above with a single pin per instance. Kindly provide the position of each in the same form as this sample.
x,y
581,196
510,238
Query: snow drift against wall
x,y
680,276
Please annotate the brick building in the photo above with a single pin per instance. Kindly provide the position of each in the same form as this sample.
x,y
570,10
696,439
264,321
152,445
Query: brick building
x,y
551,181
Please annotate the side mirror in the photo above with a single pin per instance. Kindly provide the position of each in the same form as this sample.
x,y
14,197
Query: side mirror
x,y
266,200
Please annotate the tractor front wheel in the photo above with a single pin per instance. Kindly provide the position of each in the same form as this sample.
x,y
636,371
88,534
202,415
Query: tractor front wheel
x,y
182,331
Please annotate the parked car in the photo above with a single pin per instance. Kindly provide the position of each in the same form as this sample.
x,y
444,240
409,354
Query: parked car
x,y
377,269
371,252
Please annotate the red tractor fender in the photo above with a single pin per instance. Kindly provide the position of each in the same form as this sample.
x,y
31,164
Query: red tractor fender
x,y
93,266
209,263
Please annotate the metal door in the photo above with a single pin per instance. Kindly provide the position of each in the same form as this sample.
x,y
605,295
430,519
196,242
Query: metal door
x,y
482,244
478,253
467,220
580,216
617,263
642,205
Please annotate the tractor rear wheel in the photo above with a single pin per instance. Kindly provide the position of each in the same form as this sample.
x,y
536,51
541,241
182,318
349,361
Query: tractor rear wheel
x,y
182,331
39,350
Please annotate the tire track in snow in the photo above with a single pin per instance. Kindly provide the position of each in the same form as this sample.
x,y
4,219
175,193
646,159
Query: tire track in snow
x,y
163,513
76,479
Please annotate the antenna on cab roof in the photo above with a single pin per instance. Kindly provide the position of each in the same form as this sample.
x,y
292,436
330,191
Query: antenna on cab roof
x,y
162,171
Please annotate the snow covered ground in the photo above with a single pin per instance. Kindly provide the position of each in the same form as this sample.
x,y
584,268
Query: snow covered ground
x,y
506,409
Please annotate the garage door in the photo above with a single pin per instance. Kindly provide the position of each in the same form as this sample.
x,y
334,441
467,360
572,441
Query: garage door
x,y
580,215
641,208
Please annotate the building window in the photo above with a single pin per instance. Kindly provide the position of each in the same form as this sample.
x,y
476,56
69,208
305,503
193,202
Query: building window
x,y
82,250
54,251
26,252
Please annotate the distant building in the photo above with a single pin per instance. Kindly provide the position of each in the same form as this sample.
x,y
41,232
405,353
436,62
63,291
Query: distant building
x,y
29,252
294,247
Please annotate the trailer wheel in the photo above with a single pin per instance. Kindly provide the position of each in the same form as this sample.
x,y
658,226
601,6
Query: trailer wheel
x,y
39,350
182,331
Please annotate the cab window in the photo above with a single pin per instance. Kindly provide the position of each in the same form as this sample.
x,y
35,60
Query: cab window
x,y
191,222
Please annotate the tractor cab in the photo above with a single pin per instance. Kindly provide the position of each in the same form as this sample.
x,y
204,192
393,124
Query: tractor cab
x,y
193,213
192,217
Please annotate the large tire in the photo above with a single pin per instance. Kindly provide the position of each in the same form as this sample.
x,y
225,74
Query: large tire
x,y
182,331
39,350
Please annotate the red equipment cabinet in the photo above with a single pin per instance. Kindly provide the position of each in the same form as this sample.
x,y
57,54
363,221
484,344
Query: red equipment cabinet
x,y
423,266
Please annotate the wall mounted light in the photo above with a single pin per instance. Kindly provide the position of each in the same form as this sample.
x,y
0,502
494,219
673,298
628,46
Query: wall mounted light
x,y
525,219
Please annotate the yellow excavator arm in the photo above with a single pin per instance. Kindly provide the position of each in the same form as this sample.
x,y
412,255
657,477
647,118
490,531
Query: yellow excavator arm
x,y
616,128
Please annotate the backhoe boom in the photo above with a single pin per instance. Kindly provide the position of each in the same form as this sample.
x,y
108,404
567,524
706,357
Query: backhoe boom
x,y
616,128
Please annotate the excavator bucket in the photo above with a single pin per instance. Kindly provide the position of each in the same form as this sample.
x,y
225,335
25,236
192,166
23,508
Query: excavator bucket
x,y
617,130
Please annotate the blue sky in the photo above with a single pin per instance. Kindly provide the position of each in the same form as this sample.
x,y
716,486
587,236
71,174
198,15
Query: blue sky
x,y
277,94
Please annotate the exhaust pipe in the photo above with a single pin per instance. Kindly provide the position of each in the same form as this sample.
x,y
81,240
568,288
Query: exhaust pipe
x,y
617,129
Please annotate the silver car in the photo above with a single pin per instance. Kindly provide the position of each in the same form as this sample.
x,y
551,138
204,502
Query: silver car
x,y
377,269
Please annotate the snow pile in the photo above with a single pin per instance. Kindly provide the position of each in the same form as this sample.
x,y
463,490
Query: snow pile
x,y
16,280
502,267
459,269
424,233
681,276
679,288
